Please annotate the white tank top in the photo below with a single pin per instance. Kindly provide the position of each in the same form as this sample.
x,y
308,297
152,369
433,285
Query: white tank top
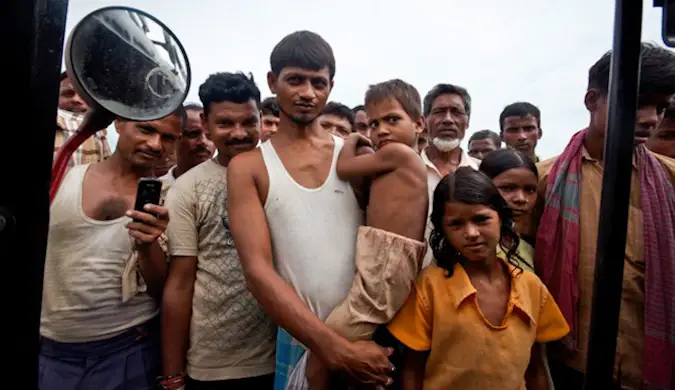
x,y
313,232
82,295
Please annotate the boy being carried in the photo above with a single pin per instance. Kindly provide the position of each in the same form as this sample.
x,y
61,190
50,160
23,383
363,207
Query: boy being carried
x,y
391,248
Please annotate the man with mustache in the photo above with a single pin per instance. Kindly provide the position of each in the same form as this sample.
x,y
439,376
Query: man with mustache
x,y
105,268
193,147
295,222
447,109
520,128
214,333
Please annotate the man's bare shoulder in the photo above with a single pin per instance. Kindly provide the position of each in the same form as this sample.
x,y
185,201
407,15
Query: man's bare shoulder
x,y
247,162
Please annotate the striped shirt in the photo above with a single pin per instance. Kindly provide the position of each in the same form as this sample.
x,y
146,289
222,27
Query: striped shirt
x,y
94,149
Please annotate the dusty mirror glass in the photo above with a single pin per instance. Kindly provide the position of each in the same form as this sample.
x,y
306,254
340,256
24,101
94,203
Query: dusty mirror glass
x,y
129,63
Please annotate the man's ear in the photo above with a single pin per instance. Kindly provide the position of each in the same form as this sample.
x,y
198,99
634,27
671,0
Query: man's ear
x,y
271,82
591,99
118,125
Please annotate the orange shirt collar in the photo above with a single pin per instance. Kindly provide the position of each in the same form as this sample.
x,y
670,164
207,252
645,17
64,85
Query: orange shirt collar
x,y
461,288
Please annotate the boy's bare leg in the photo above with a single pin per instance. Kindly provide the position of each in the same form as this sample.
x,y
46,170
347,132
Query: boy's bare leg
x,y
318,376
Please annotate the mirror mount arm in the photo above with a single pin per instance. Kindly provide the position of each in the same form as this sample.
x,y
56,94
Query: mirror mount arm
x,y
668,21
94,120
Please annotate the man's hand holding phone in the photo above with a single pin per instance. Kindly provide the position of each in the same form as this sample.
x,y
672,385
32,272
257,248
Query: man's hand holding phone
x,y
149,218
149,224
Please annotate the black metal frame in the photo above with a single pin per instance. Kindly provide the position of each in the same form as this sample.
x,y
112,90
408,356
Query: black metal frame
x,y
32,61
618,161
35,49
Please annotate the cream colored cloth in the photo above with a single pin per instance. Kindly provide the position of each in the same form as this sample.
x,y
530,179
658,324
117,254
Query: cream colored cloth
x,y
387,265
132,281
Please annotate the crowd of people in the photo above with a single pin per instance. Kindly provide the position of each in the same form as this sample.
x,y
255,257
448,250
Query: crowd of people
x,y
302,244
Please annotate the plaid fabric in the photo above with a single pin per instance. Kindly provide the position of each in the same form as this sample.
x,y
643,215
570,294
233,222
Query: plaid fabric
x,y
658,204
94,149
289,352
557,253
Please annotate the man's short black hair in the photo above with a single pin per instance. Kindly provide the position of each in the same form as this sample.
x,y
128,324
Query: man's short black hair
x,y
193,107
447,89
269,106
305,50
486,134
340,110
519,109
228,87
657,73
182,114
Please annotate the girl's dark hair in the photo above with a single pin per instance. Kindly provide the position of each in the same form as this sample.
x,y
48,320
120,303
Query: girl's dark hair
x,y
467,185
497,162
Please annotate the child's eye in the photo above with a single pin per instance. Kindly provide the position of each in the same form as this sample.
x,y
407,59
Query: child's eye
x,y
508,187
481,219
455,224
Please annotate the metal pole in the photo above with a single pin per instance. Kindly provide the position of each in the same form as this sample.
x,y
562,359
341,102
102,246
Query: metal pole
x,y
34,44
618,158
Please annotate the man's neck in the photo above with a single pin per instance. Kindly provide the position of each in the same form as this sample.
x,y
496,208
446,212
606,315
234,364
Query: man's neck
x,y
452,157
292,130
532,156
594,144
121,169
223,159
179,170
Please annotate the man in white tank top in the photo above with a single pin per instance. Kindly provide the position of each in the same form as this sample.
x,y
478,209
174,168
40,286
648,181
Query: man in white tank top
x,y
103,267
215,335
295,223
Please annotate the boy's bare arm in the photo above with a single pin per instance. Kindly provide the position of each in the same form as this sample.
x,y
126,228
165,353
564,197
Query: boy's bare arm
x,y
384,160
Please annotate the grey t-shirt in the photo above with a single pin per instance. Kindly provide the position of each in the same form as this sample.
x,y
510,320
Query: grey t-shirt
x,y
230,335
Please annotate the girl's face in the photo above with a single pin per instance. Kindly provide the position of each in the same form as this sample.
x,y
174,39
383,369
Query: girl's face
x,y
518,187
472,229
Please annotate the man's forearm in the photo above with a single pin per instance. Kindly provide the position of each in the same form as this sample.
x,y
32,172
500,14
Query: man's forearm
x,y
153,264
176,315
282,303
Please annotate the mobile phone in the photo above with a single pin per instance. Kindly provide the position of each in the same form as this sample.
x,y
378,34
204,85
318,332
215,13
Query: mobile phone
x,y
149,191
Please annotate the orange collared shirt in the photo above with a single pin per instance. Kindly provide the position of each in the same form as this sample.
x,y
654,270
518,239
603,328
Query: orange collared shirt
x,y
466,351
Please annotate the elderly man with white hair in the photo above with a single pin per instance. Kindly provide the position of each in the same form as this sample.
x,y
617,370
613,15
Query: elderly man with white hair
x,y
447,109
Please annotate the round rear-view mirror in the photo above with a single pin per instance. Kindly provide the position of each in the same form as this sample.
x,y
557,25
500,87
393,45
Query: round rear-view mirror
x,y
129,63
125,64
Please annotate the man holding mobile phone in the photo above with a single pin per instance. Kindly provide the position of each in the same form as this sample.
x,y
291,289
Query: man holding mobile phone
x,y
105,267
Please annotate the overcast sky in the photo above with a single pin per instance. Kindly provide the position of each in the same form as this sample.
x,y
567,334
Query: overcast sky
x,y
501,51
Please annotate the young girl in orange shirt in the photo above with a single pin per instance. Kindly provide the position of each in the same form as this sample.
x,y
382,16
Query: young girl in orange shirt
x,y
475,320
